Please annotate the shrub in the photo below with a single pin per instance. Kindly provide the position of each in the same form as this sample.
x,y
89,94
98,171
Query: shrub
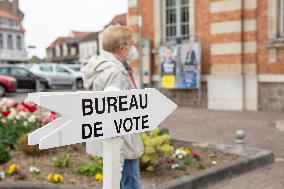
x,y
62,161
92,168
4,154
29,150
157,148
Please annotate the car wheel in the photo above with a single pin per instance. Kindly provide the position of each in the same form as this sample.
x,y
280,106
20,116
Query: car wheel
x,y
40,87
2,91
79,84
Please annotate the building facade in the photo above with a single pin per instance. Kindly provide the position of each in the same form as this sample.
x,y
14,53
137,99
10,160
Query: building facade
x,y
89,46
241,43
65,49
12,33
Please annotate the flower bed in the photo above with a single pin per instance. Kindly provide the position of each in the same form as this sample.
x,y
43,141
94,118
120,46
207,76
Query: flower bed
x,y
161,162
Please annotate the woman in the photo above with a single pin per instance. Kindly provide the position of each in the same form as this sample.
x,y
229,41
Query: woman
x,y
112,69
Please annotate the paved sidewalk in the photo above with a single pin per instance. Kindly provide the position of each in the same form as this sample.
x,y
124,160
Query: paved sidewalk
x,y
219,127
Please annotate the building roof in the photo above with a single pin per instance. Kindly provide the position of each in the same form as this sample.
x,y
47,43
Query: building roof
x,y
58,41
118,19
91,37
8,15
11,7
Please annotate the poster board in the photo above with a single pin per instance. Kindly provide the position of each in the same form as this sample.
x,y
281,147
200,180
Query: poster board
x,y
180,66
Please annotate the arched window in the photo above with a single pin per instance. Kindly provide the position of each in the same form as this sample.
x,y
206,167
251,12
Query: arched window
x,y
19,42
1,41
10,42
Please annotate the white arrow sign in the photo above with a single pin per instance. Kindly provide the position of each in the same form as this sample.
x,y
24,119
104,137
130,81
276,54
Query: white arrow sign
x,y
93,115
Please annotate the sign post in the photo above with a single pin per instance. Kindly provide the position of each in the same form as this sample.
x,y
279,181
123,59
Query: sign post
x,y
100,115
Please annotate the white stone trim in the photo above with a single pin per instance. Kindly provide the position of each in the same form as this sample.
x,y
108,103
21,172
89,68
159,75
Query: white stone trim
x,y
231,5
272,19
250,47
233,48
132,3
250,25
204,78
225,92
226,48
233,26
251,92
156,78
192,21
132,20
157,22
271,78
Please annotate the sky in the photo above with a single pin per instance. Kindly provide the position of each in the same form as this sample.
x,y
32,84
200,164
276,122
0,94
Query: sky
x,y
45,20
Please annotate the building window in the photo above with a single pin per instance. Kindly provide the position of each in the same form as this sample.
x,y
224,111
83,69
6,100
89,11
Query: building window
x,y
281,18
176,19
184,19
10,42
1,41
19,42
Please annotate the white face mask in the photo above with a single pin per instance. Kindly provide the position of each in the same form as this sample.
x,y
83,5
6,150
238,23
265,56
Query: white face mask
x,y
132,54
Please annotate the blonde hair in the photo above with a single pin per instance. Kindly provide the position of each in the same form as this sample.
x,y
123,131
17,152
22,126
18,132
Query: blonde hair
x,y
114,35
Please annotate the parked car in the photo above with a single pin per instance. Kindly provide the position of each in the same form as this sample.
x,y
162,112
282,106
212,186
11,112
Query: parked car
x,y
59,74
7,85
75,67
25,78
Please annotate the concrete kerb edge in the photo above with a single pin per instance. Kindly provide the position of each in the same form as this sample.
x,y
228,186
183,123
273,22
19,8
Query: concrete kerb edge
x,y
205,178
216,174
29,185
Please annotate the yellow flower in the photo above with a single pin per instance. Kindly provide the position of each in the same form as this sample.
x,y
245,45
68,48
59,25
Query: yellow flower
x,y
146,158
13,168
55,178
188,152
149,150
99,177
50,177
167,149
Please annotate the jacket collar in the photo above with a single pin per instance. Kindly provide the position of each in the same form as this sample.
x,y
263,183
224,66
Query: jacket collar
x,y
109,57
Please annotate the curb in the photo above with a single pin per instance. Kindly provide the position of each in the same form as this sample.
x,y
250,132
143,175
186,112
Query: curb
x,y
216,174
40,186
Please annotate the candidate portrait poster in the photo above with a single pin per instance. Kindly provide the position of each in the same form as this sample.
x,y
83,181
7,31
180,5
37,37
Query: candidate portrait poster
x,y
189,68
168,55
180,66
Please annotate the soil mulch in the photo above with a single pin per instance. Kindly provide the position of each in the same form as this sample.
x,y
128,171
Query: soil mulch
x,y
209,157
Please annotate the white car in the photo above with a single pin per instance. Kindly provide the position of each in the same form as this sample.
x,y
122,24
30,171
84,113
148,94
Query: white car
x,y
59,75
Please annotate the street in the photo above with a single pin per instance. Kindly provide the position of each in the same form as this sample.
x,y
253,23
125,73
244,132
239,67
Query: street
x,y
22,94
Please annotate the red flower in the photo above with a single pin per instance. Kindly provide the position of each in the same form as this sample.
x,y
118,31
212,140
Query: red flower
x,y
5,113
30,107
15,105
196,155
53,116
23,109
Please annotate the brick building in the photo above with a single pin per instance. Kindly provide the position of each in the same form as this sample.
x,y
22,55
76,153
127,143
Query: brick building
x,y
66,49
12,33
242,48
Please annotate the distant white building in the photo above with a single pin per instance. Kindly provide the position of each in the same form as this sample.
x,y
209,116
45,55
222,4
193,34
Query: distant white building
x,y
89,46
12,33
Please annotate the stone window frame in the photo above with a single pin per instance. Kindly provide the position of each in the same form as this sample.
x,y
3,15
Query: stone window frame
x,y
10,45
191,37
1,41
19,42
275,24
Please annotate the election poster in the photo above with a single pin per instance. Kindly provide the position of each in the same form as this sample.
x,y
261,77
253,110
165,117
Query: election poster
x,y
168,66
180,66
